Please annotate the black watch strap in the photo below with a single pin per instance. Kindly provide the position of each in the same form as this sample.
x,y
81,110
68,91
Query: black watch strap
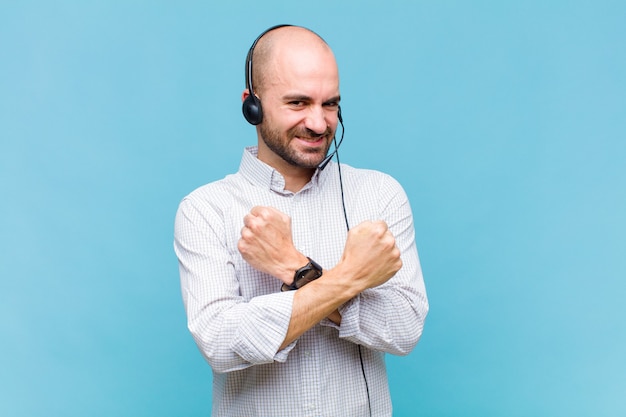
x,y
309,272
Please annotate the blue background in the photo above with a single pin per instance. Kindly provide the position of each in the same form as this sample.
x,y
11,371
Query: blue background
x,y
505,122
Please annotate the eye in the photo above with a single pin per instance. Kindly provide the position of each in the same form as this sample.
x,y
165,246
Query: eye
x,y
331,104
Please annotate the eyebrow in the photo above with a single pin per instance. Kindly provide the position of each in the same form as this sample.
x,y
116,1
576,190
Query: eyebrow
x,y
302,97
296,97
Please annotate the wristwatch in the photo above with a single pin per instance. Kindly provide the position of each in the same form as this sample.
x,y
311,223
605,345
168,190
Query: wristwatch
x,y
309,272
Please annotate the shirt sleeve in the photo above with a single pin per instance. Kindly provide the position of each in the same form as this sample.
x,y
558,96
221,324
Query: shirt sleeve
x,y
390,318
232,333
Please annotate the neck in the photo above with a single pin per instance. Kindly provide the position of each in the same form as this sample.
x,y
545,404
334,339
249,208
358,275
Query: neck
x,y
296,181
295,177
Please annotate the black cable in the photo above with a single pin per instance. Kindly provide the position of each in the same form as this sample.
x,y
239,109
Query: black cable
x,y
343,203
345,215
367,388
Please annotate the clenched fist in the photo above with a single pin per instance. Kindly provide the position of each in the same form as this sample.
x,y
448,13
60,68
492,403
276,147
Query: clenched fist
x,y
370,257
266,243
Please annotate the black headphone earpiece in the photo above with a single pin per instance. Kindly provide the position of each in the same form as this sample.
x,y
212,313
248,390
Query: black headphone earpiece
x,y
252,110
251,107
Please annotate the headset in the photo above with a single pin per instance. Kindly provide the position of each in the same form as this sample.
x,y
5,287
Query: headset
x,y
251,106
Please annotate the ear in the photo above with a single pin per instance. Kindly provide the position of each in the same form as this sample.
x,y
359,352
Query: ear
x,y
245,95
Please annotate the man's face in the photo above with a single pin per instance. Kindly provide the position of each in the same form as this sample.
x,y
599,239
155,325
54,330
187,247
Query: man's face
x,y
300,103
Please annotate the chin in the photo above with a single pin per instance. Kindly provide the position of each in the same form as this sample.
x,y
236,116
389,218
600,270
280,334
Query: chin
x,y
304,162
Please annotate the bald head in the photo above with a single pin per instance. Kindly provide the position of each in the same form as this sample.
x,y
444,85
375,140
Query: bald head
x,y
281,46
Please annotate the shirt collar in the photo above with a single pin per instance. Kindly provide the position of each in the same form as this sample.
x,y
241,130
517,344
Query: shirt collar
x,y
261,174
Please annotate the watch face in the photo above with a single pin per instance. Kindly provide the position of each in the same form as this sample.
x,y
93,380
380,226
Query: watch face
x,y
306,277
306,274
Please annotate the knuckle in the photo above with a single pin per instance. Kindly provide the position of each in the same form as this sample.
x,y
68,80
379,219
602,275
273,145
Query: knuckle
x,y
246,233
265,212
259,212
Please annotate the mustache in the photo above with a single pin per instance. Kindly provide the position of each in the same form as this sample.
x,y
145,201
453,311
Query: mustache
x,y
308,133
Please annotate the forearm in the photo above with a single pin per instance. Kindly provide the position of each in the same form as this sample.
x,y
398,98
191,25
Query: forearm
x,y
317,300
388,318
370,258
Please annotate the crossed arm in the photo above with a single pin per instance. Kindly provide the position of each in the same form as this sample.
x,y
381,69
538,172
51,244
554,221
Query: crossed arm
x,y
370,258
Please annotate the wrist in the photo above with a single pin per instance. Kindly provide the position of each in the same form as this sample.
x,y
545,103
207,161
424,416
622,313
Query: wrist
x,y
346,281
290,267
304,275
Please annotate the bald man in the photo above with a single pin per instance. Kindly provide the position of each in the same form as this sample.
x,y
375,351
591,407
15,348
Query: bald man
x,y
298,274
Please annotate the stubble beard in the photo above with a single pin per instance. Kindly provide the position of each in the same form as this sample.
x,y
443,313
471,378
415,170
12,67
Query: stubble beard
x,y
279,144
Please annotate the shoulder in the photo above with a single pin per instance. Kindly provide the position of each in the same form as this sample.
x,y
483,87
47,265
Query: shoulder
x,y
215,196
216,190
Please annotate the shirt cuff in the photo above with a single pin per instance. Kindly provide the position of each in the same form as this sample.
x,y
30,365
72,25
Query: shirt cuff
x,y
349,319
259,337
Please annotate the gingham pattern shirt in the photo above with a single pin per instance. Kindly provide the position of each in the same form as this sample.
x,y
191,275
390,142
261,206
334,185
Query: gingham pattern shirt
x,y
239,317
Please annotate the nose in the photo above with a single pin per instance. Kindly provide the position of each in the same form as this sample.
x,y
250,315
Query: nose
x,y
316,120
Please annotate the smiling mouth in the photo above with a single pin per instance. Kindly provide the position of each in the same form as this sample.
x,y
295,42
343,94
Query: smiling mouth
x,y
311,140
